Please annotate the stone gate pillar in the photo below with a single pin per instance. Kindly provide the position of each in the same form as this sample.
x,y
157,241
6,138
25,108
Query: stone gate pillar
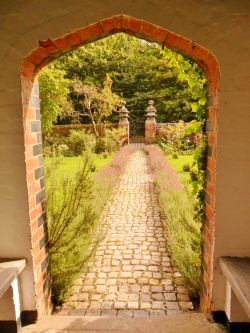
x,y
123,121
150,123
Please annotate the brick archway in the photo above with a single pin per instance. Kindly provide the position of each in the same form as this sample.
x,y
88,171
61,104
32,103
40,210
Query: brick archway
x,y
49,50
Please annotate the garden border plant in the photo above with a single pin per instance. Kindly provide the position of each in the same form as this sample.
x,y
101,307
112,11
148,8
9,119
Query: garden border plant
x,y
74,205
183,231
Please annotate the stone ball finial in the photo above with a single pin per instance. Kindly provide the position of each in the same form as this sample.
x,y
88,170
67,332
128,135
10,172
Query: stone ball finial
x,y
123,113
151,111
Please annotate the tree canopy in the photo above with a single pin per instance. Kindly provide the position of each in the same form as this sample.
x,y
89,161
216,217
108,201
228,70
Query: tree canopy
x,y
139,71
54,92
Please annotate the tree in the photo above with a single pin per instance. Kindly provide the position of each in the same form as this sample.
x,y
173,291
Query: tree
x,y
139,72
97,103
54,100
190,73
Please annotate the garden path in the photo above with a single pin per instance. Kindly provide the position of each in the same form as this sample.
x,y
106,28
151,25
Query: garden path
x,y
131,273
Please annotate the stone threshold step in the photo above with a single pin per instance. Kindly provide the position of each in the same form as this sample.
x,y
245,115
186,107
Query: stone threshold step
x,y
188,323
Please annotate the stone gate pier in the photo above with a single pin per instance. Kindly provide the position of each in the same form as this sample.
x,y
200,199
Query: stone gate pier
x,y
150,124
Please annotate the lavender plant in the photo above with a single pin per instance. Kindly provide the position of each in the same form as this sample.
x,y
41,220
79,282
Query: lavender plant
x,y
182,230
74,205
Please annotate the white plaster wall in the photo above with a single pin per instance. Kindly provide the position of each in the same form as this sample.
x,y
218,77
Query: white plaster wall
x,y
221,26
7,307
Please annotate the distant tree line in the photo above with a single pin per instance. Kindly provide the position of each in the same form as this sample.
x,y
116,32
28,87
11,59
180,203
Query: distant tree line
x,y
96,77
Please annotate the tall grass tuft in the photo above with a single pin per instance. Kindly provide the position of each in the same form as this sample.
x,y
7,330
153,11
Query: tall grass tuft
x,y
182,230
74,205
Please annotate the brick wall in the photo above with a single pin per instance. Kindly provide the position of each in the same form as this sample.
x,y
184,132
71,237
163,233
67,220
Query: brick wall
x,y
36,193
51,49
64,130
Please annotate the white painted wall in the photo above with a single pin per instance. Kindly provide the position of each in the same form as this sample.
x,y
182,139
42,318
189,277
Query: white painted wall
x,y
221,26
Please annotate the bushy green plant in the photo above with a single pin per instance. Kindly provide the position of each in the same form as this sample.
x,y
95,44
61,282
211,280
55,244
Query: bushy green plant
x,y
174,135
71,217
51,144
79,141
175,156
111,141
105,155
165,146
198,178
63,150
186,167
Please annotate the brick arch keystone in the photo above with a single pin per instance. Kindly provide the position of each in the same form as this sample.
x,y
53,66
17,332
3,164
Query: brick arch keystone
x,y
50,49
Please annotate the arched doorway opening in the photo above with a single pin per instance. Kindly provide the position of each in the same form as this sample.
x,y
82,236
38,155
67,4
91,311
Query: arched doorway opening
x,y
52,49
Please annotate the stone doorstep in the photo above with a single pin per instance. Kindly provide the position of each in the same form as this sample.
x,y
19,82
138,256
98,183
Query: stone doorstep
x,y
193,323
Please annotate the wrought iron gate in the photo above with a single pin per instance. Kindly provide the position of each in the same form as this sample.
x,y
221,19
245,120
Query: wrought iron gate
x,y
137,130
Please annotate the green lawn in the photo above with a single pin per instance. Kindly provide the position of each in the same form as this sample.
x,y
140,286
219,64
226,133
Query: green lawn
x,y
70,165
177,165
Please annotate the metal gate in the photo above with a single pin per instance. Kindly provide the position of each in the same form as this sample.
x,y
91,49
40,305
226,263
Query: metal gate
x,y
137,130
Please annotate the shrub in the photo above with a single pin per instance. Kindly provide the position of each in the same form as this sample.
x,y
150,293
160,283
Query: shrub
x,y
175,156
194,175
63,150
111,141
186,167
79,141
166,147
175,133
51,144
198,176
71,217
105,155
183,231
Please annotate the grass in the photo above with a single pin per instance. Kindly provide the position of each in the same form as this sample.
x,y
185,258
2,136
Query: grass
x,y
177,165
70,165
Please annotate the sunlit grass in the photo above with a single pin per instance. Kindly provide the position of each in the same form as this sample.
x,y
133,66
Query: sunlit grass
x,y
177,165
70,165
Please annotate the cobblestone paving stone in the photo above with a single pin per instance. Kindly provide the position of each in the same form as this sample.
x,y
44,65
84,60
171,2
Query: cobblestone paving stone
x,y
131,274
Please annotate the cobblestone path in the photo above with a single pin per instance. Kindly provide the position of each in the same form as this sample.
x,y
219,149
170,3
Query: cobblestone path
x,y
131,274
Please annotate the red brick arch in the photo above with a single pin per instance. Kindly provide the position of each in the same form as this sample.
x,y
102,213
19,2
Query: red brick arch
x,y
49,50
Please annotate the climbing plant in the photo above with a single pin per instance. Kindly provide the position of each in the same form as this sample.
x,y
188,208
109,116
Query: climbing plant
x,y
192,74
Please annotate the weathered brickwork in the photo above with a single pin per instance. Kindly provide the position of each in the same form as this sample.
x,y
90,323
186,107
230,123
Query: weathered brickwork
x,y
46,52
64,130
150,130
36,191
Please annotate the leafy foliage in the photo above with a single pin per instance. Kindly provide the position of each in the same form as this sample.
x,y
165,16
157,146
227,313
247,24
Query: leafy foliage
x,y
97,103
54,102
138,71
80,141
192,74
71,217
173,137
112,141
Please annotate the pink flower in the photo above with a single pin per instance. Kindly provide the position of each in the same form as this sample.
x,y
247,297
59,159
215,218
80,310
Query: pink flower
x,y
161,169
